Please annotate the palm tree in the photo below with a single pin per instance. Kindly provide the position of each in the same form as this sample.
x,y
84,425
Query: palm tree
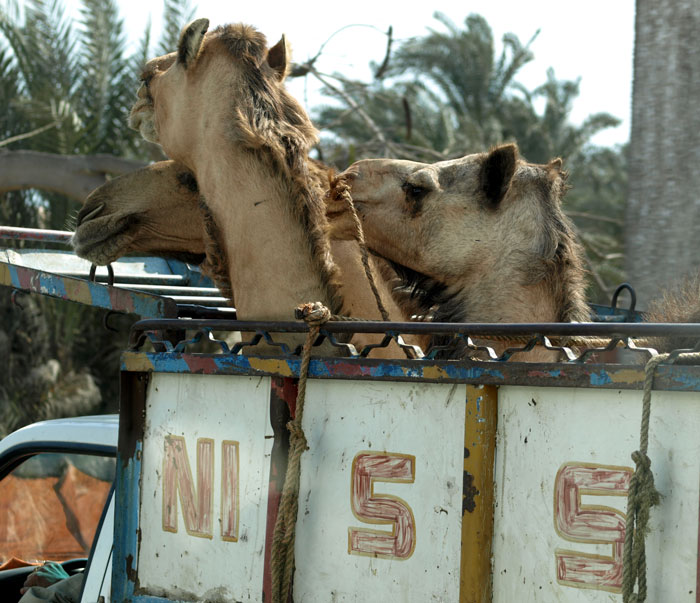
x,y
447,94
64,91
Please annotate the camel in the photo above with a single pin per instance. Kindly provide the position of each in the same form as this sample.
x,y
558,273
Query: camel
x,y
477,239
157,210
218,105
141,222
154,211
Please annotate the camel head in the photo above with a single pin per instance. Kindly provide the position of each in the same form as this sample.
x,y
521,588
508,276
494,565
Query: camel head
x,y
154,210
468,225
218,88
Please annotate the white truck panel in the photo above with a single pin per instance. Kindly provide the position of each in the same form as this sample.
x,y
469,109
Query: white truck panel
x,y
551,544
223,413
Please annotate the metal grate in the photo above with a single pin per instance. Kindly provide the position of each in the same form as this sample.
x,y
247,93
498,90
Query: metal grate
x,y
448,340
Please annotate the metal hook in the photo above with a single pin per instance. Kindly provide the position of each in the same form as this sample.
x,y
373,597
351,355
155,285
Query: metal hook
x,y
110,274
616,294
105,321
13,298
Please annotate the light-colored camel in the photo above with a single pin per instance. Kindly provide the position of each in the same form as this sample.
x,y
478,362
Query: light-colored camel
x,y
157,210
153,211
218,105
477,239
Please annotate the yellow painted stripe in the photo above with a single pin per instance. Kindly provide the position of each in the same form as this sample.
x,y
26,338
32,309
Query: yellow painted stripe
x,y
5,277
477,526
78,290
272,365
435,372
136,362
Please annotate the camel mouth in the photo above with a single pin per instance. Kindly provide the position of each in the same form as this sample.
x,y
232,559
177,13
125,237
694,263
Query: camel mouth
x,y
139,112
89,241
86,213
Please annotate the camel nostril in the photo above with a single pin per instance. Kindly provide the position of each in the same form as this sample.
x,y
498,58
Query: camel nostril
x,y
88,213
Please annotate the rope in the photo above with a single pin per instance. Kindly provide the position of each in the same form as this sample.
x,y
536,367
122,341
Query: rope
x,y
341,190
642,495
282,554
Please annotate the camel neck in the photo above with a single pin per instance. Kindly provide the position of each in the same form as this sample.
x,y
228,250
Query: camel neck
x,y
502,300
272,262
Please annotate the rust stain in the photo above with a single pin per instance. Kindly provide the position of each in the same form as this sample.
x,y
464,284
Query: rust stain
x,y
131,573
469,492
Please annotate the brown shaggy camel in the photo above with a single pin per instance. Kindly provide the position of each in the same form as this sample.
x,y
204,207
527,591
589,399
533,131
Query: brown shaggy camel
x,y
219,106
157,210
477,239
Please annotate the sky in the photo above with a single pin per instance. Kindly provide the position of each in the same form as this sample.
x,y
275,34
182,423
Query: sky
x,y
592,40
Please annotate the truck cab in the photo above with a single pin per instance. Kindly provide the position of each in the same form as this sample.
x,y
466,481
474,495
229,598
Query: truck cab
x,y
56,487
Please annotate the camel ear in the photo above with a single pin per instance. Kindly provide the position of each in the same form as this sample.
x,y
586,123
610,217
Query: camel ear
x,y
497,172
190,41
278,57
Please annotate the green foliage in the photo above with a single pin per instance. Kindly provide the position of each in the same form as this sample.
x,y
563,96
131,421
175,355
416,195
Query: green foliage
x,y
65,87
448,93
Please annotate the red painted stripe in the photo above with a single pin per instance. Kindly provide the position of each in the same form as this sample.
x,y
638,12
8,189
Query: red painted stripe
x,y
121,299
25,278
198,364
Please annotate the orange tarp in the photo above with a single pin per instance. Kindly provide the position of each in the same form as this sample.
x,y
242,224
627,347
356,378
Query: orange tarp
x,y
50,518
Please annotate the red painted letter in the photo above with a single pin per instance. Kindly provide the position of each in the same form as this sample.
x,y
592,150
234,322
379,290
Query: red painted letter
x,y
368,468
595,524
197,506
229,490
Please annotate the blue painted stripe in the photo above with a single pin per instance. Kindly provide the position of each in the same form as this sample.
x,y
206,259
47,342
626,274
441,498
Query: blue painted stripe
x,y
669,377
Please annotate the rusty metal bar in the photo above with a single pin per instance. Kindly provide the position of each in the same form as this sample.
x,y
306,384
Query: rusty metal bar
x,y
591,329
16,233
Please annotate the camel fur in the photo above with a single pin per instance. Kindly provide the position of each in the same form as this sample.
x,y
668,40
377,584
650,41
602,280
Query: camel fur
x,y
158,211
218,105
476,239
153,211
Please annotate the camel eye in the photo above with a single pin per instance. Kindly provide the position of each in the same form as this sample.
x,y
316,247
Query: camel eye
x,y
414,196
414,192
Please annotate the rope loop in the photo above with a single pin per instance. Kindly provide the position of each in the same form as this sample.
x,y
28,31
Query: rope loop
x,y
314,314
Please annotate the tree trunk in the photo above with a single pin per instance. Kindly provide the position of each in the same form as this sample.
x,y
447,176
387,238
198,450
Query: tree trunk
x,y
663,209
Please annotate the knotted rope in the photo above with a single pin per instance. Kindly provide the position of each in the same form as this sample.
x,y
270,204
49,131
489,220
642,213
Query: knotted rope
x,y
282,555
642,494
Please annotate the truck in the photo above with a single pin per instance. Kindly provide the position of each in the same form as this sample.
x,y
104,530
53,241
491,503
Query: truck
x,y
421,479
